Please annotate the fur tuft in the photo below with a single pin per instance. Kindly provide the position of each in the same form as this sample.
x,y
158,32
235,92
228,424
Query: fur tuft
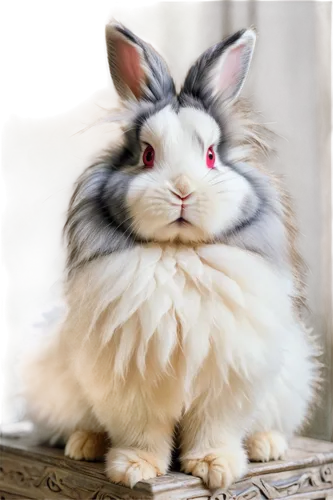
x,y
250,140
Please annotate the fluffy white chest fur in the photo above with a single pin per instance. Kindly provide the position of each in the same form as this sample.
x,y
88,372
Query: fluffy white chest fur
x,y
161,335
214,319
161,299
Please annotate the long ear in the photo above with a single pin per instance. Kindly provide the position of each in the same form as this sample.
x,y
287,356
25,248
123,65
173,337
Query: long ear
x,y
137,70
222,69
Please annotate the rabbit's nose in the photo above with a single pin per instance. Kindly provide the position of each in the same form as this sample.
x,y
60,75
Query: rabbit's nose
x,y
182,186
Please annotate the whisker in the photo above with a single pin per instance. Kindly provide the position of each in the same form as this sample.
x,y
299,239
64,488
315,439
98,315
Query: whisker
x,y
228,191
109,111
114,116
231,176
50,196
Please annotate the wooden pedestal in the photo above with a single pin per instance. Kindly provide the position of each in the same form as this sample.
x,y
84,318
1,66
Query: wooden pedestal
x,y
30,472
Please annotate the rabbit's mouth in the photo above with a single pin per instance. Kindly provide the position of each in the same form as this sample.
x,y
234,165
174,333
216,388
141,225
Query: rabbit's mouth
x,y
181,222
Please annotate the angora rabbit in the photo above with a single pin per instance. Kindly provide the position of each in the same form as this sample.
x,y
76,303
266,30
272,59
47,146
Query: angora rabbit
x,y
184,286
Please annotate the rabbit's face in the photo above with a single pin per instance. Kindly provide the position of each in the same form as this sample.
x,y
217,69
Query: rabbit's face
x,y
181,189
178,185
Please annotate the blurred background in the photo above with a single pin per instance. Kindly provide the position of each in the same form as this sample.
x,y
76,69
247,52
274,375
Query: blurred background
x,y
290,86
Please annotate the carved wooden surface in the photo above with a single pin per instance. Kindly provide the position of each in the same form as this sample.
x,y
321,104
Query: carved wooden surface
x,y
33,472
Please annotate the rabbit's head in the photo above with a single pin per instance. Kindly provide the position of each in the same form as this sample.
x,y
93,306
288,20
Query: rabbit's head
x,y
174,177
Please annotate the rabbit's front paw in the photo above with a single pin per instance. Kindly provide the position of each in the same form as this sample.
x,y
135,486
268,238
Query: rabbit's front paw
x,y
218,468
265,446
85,445
131,465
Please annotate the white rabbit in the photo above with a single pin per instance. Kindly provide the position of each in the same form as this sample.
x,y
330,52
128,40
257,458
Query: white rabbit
x,y
184,287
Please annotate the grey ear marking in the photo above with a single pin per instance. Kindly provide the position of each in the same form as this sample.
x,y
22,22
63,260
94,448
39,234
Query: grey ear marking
x,y
137,70
221,70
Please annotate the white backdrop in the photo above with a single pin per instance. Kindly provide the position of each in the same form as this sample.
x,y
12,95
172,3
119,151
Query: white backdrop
x,y
40,160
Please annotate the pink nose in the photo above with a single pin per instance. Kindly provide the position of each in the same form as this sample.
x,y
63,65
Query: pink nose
x,y
182,187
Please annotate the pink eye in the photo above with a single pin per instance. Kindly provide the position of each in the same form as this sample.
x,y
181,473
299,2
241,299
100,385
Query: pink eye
x,y
148,156
210,157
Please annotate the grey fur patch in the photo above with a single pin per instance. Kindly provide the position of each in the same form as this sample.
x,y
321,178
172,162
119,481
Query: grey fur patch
x,y
261,227
98,222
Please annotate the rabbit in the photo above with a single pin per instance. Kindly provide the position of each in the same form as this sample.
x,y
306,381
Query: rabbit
x,y
184,284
